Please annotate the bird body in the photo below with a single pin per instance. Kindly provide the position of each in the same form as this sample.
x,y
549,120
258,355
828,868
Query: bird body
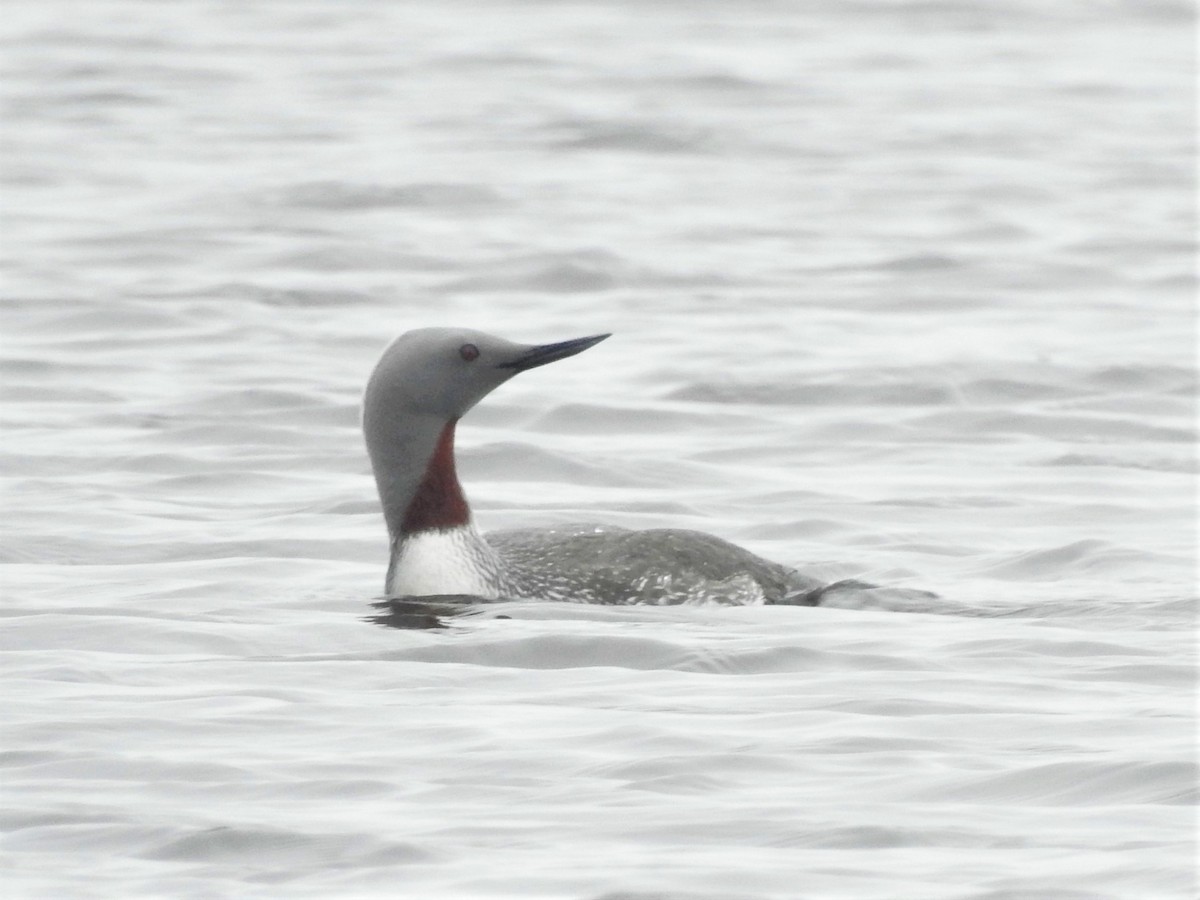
x,y
424,383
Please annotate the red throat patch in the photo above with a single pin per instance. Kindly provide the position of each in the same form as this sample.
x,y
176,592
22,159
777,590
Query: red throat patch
x,y
438,501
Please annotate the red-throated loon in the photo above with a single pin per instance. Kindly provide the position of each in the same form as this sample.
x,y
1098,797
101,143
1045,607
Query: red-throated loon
x,y
424,383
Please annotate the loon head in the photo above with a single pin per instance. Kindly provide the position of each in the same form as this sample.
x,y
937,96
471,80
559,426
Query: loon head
x,y
426,380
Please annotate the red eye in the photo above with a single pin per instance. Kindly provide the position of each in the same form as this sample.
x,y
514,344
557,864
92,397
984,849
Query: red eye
x,y
469,352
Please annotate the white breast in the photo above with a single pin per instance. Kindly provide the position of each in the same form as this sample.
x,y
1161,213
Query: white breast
x,y
445,561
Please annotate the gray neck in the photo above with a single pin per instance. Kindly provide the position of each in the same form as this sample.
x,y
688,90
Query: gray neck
x,y
401,446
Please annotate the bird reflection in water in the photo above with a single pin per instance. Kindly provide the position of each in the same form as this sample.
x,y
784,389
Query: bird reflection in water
x,y
420,613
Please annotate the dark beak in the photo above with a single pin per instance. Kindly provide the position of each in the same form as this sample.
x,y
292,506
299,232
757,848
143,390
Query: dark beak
x,y
548,353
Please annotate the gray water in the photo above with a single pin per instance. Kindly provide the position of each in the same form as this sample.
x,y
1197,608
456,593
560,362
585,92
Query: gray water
x,y
900,291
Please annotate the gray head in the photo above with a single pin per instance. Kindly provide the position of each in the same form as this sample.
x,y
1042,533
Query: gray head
x,y
425,381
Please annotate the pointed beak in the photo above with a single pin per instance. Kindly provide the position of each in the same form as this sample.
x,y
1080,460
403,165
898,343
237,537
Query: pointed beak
x,y
532,357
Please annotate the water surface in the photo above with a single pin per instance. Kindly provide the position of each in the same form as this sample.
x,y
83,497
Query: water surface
x,y
899,291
